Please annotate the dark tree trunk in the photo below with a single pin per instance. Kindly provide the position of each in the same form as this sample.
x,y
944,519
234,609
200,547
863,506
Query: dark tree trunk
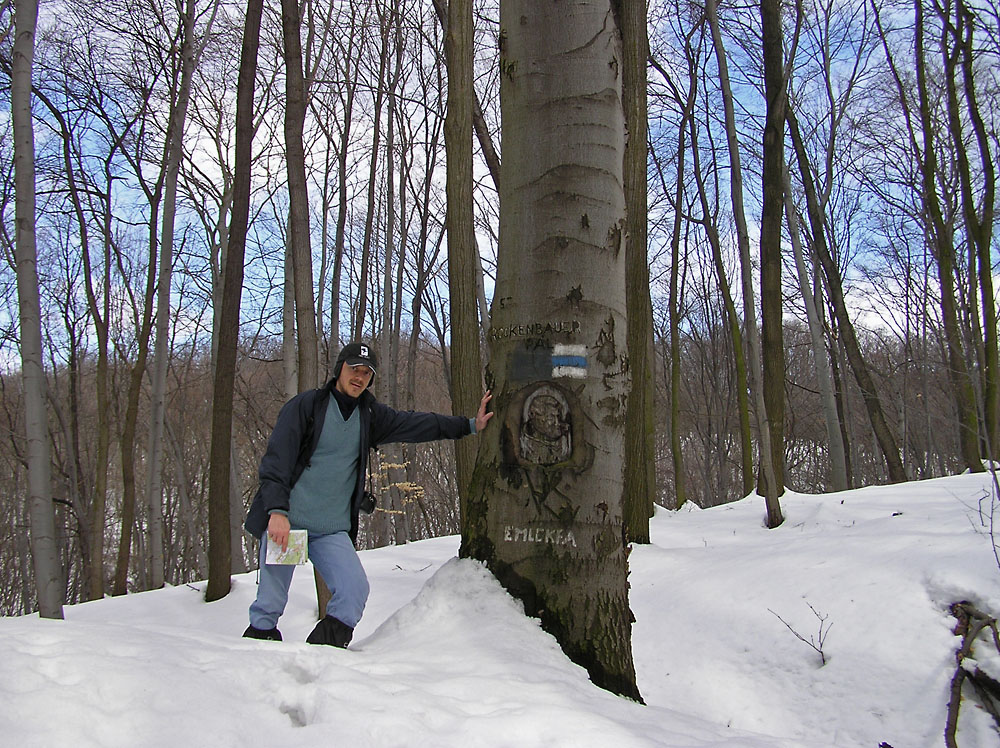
x,y
466,368
219,545
773,190
640,427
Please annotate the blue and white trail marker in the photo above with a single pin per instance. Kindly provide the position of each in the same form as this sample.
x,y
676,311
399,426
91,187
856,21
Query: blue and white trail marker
x,y
569,361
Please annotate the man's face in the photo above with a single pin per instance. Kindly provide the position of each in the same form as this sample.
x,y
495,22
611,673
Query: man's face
x,y
545,417
354,379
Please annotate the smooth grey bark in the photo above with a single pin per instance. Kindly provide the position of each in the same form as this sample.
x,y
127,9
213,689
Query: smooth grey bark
x,y
44,552
546,494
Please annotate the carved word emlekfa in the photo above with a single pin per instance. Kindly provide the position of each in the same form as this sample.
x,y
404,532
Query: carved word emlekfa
x,y
558,536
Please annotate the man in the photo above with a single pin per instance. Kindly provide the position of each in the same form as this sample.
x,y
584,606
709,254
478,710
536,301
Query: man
x,y
312,477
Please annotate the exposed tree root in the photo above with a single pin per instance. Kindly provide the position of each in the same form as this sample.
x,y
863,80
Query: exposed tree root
x,y
971,623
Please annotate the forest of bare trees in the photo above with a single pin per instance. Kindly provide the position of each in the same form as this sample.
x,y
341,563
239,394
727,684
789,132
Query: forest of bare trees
x,y
882,274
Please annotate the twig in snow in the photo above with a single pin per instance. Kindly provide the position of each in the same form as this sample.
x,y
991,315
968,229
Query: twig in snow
x,y
820,639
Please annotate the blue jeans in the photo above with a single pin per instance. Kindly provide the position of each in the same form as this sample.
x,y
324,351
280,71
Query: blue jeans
x,y
337,562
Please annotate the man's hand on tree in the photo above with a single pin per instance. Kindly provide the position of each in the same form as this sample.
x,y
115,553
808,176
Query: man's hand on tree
x,y
482,417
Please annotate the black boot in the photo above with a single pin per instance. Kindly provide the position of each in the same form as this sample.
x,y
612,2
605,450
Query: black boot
x,y
331,631
270,634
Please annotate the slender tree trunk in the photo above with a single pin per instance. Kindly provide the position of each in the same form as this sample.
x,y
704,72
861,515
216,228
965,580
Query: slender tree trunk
x,y
824,377
939,236
366,245
545,505
710,224
772,188
161,356
298,221
44,552
979,219
753,354
640,428
416,304
127,441
852,348
219,547
466,376
389,337
289,359
298,197
486,145
343,199
101,315
91,519
942,236
673,298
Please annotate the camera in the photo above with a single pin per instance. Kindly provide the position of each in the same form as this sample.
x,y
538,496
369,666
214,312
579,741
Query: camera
x,y
367,502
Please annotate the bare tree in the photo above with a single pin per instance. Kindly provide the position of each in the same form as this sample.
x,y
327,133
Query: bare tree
x,y
976,163
190,50
219,549
48,575
640,429
754,370
296,95
372,205
466,377
772,188
685,101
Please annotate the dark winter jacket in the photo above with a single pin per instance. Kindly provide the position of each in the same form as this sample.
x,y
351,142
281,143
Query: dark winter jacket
x,y
296,434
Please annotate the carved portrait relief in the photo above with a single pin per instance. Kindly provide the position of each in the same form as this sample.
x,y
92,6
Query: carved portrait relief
x,y
546,434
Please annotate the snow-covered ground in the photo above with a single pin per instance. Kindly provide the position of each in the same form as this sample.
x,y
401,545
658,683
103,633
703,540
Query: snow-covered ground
x,y
444,657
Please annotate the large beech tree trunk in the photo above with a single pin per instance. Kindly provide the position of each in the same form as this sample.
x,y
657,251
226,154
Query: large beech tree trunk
x,y
545,504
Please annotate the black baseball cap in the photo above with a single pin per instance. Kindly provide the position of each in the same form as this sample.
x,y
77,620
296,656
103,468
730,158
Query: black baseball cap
x,y
355,354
